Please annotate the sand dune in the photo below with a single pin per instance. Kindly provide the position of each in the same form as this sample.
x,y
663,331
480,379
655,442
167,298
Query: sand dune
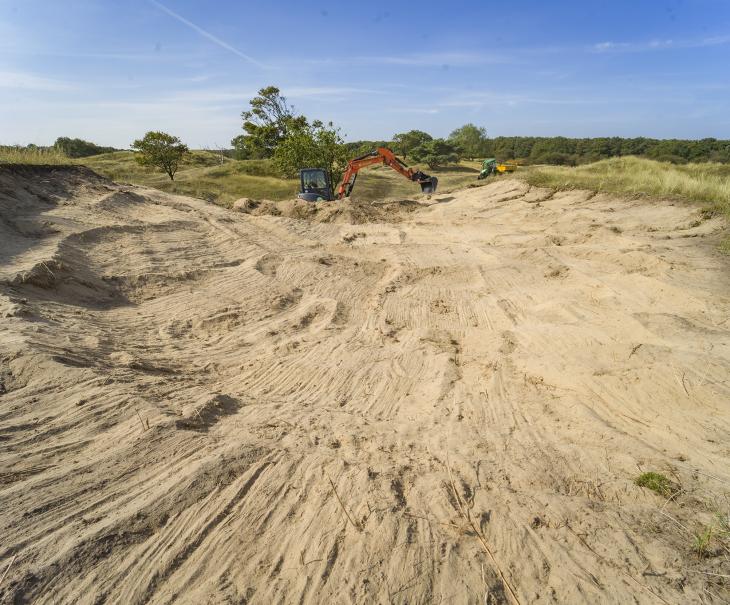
x,y
449,404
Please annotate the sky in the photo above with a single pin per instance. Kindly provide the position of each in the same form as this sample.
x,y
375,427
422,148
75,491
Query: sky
x,y
108,71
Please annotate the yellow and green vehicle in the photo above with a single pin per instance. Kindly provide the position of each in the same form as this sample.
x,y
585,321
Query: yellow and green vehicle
x,y
490,167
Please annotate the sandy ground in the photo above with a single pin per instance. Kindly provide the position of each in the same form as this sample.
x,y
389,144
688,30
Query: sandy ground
x,y
451,406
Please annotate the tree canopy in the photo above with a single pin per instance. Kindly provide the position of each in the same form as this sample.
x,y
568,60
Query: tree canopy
x,y
436,153
78,148
470,140
160,150
269,121
405,142
562,150
315,145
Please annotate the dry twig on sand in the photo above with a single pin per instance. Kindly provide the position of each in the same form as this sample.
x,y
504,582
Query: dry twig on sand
x,y
342,506
467,517
7,569
144,428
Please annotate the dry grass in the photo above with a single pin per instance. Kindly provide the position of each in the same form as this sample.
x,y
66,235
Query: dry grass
x,y
22,155
205,175
381,182
706,183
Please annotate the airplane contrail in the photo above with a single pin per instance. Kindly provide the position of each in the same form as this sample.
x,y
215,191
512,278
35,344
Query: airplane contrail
x,y
207,34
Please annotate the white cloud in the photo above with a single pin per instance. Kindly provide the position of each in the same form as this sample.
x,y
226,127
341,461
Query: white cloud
x,y
28,81
440,59
327,91
437,59
659,44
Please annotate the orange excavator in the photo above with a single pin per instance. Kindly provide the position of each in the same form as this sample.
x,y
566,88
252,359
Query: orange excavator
x,y
316,185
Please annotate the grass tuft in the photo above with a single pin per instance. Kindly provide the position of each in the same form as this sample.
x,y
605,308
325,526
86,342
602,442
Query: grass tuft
x,y
704,183
656,482
702,541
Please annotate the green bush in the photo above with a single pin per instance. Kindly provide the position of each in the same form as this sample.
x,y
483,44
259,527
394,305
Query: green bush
x,y
656,482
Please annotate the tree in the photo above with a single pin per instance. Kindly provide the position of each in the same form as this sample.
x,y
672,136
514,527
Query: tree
x,y
240,151
358,148
266,124
315,145
436,153
470,140
78,148
161,150
405,142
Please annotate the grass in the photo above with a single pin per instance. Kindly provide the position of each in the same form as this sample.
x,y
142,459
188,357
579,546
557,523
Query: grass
x,y
382,182
716,533
22,155
702,541
203,174
223,180
704,183
656,482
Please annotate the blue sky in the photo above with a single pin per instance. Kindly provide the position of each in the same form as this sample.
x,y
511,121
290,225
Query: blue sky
x,y
109,71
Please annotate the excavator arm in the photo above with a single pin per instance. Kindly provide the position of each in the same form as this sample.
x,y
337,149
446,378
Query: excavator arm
x,y
383,156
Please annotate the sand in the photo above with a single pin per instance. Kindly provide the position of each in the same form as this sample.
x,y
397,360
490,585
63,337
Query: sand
x,y
448,405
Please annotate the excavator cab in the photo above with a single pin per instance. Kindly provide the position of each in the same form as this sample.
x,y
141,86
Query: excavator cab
x,y
428,183
315,185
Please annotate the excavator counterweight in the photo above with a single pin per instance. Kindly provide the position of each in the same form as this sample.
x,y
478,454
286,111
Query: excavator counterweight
x,y
316,186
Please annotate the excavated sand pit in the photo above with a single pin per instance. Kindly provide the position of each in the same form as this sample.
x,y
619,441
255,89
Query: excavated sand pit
x,y
447,402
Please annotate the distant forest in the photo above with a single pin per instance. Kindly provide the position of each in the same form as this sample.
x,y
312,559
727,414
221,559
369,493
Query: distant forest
x,y
561,150
527,150
572,152
78,148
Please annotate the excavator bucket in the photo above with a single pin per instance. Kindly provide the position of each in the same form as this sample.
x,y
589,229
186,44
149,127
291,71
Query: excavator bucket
x,y
429,185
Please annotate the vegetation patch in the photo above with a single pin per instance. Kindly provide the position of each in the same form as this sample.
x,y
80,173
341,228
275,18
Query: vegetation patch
x,y
656,482
11,154
705,183
702,541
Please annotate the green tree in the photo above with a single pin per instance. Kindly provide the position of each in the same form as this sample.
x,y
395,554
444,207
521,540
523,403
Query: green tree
x,y
315,145
266,124
161,150
358,148
240,150
436,153
405,142
78,148
470,140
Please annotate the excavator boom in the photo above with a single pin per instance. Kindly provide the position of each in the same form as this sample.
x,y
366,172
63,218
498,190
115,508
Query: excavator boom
x,y
316,185
384,156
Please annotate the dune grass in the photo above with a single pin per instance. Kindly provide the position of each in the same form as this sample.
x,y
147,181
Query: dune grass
x,y
203,174
382,182
208,176
22,155
704,183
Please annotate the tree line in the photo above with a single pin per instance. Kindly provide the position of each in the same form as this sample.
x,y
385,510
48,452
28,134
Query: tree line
x,y
468,144
78,148
566,151
272,129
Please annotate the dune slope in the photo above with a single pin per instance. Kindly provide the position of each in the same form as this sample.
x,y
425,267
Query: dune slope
x,y
202,405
